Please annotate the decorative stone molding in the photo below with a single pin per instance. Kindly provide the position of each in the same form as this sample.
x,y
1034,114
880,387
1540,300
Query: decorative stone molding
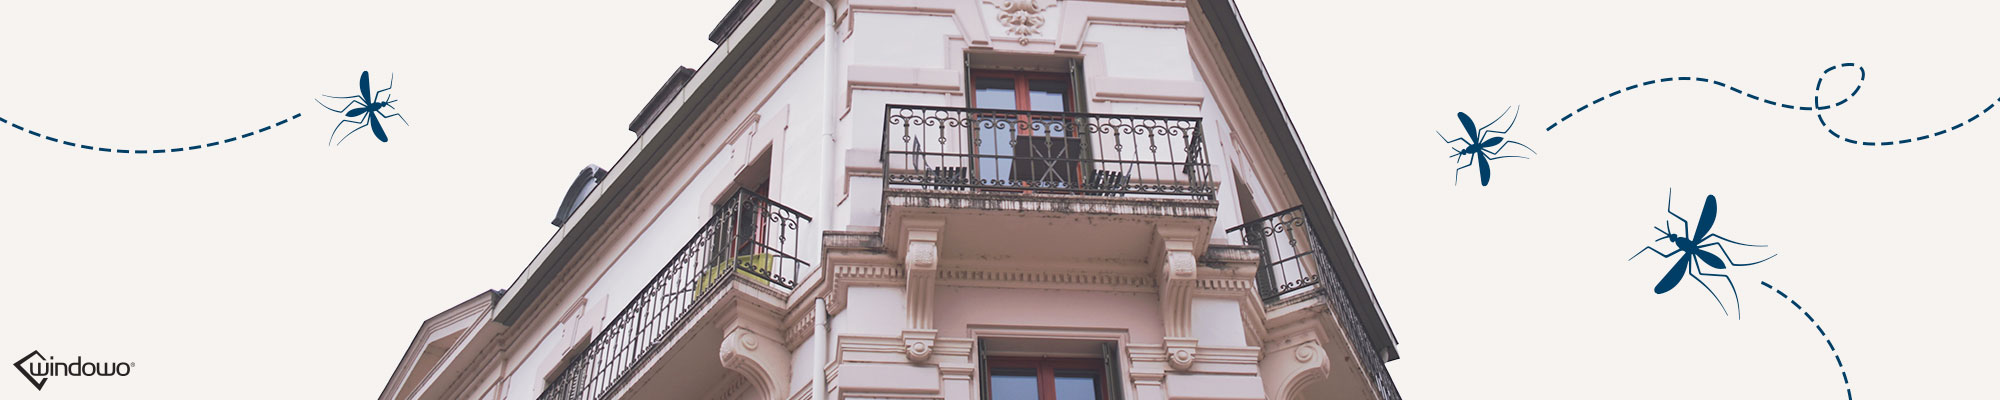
x,y
1147,370
920,268
1297,358
1180,353
1177,277
845,276
800,330
917,344
1022,17
1048,280
751,348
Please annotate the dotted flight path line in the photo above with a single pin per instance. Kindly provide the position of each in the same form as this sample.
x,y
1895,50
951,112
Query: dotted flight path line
x,y
1817,107
1822,334
231,139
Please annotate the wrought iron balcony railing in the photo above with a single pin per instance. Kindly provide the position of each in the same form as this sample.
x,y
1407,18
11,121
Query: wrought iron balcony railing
x,y
750,238
946,148
1293,261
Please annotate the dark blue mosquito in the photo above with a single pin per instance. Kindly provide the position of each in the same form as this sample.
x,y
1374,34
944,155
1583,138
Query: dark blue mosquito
x,y
366,110
1483,144
1694,253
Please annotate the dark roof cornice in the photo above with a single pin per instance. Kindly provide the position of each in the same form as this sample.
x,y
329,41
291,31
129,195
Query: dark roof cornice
x,y
763,19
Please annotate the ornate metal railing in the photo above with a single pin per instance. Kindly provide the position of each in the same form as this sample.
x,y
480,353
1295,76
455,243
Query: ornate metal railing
x,y
1047,152
750,238
1293,261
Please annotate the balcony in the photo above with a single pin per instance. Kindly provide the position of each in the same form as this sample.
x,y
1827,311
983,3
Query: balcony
x,y
750,239
1294,269
1029,180
963,149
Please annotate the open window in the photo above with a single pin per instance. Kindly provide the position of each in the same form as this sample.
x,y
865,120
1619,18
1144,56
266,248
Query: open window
x,y
737,244
1049,369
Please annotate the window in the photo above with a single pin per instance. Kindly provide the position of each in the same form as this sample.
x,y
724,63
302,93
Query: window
x,y
1043,378
1021,148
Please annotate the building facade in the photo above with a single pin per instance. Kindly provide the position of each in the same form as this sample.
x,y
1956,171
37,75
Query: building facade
x,y
950,199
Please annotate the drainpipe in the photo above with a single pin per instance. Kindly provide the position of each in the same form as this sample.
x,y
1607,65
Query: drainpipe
x,y
819,348
831,93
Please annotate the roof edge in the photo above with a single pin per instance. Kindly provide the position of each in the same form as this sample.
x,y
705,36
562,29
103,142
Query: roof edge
x,y
1241,51
491,297
658,104
722,67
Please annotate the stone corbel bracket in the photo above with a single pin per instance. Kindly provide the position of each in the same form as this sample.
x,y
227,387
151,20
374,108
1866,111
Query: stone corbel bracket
x,y
1177,276
1294,358
750,346
920,269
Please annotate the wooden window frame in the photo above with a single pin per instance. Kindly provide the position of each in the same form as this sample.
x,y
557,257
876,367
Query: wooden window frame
x,y
1045,372
1070,93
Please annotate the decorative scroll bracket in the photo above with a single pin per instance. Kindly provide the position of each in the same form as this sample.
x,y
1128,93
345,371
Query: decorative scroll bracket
x,y
920,268
1177,286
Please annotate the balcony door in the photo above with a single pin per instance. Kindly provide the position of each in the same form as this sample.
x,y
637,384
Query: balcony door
x,y
1027,150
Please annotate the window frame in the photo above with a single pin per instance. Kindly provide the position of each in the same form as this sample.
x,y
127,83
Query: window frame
x,y
1021,167
1045,373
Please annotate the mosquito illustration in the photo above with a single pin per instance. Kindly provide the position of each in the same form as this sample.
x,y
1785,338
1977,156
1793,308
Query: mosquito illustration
x,y
365,110
1482,144
1694,253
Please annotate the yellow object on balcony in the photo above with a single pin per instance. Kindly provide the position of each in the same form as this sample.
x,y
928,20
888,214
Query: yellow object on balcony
x,y
753,267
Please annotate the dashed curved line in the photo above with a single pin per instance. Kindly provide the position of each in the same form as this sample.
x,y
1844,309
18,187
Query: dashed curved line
x,y
1822,334
1816,108
231,139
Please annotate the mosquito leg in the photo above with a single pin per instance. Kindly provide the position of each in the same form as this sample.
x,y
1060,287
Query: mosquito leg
x,y
1711,291
1670,211
1454,173
398,116
392,84
1732,262
336,129
1732,241
1503,146
1732,290
1448,141
358,126
343,108
1503,114
1655,251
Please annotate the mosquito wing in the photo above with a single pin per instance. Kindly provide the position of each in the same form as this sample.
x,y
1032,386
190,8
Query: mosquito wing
x,y
376,125
1470,131
1673,276
366,96
1485,174
1707,220
1709,258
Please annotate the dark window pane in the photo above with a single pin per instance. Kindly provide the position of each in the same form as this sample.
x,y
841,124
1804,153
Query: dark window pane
x,y
1076,388
996,93
1048,95
1014,384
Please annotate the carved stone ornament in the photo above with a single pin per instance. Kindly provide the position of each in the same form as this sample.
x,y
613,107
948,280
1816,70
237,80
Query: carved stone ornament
x,y
1022,17
1181,359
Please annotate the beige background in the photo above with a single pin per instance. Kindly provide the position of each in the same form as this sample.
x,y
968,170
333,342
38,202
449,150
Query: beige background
x,y
281,267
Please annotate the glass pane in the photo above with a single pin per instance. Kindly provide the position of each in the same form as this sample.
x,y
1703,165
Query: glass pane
x,y
994,140
1014,384
1076,388
1048,95
994,93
